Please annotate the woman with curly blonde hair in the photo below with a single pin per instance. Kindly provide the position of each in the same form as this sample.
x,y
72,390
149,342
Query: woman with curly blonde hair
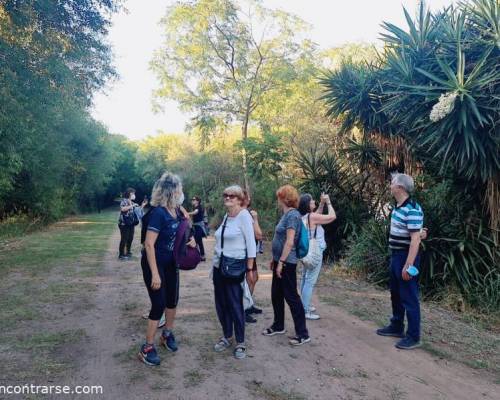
x,y
159,269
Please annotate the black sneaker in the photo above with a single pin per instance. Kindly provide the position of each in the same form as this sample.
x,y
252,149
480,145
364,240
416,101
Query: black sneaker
x,y
408,343
299,341
249,319
254,310
390,330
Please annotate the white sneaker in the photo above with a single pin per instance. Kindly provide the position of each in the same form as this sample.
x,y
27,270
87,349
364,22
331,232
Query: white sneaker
x,y
312,316
312,308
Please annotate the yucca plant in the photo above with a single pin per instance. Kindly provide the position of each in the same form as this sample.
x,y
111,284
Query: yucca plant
x,y
436,86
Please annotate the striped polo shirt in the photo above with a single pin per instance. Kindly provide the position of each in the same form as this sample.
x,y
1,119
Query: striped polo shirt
x,y
406,218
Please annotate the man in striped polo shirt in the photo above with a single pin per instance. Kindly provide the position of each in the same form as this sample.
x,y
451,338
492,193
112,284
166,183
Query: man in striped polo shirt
x,y
407,220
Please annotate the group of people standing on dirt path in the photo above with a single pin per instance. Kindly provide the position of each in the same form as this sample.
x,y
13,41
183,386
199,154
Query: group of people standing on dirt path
x,y
234,267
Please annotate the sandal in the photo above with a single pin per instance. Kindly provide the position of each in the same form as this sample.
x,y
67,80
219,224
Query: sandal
x,y
240,351
271,332
222,345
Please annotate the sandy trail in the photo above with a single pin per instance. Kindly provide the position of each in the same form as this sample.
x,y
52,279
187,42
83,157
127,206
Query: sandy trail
x,y
345,360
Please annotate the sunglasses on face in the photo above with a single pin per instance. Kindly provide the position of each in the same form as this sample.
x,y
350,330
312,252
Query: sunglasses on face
x,y
229,196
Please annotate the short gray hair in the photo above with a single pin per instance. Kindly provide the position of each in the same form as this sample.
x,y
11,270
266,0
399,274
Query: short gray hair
x,y
405,181
165,190
236,190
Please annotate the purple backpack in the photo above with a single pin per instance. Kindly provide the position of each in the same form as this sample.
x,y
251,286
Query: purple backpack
x,y
186,257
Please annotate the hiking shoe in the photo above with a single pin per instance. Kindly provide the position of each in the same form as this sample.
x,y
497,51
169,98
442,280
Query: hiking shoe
x,y
240,351
271,331
254,310
299,341
390,330
408,343
222,345
249,319
148,355
310,315
167,339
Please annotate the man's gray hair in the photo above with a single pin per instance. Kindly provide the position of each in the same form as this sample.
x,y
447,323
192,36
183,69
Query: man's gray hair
x,y
405,181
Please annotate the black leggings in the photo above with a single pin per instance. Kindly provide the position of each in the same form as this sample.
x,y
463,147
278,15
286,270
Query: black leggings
x,y
167,296
198,237
127,236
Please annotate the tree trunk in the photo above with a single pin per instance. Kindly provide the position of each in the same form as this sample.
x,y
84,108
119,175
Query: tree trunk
x,y
244,134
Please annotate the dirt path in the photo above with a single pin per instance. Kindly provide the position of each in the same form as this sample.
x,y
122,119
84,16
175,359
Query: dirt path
x,y
344,361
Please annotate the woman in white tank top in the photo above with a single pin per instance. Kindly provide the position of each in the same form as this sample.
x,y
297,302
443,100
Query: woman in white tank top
x,y
314,221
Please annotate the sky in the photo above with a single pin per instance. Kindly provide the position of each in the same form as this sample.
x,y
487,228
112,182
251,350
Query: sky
x,y
125,106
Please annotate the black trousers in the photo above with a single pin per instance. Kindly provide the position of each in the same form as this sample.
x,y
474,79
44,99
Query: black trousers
x,y
198,237
127,236
285,289
229,306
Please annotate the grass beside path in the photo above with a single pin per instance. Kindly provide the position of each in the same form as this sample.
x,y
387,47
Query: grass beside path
x,y
446,334
45,276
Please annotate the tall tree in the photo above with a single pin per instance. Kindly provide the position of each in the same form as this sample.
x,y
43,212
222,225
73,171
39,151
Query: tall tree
x,y
220,57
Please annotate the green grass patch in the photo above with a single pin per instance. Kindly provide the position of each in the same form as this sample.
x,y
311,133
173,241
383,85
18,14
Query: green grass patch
x,y
18,225
41,275
63,242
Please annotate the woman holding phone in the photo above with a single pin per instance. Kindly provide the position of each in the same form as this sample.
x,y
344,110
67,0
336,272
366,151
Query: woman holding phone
x,y
314,221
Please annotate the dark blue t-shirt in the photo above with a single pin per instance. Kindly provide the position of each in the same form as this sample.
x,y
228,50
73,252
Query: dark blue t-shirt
x,y
162,222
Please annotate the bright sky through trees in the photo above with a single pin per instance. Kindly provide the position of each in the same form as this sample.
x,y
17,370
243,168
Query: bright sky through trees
x,y
126,106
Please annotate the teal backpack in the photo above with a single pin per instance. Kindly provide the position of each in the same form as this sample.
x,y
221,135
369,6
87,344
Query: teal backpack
x,y
302,247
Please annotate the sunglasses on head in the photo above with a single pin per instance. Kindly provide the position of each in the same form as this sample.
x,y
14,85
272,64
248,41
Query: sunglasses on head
x,y
229,196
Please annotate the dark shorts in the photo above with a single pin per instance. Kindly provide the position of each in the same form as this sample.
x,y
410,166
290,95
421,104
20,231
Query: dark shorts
x,y
168,294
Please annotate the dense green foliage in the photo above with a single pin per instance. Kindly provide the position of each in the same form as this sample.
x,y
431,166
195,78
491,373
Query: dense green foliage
x,y
54,157
430,104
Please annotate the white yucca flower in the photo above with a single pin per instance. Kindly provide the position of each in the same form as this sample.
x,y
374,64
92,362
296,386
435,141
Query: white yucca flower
x,y
443,107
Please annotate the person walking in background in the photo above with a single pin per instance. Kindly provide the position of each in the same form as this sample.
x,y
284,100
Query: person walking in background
x,y
284,267
252,276
314,221
160,272
130,215
198,216
235,245
407,220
